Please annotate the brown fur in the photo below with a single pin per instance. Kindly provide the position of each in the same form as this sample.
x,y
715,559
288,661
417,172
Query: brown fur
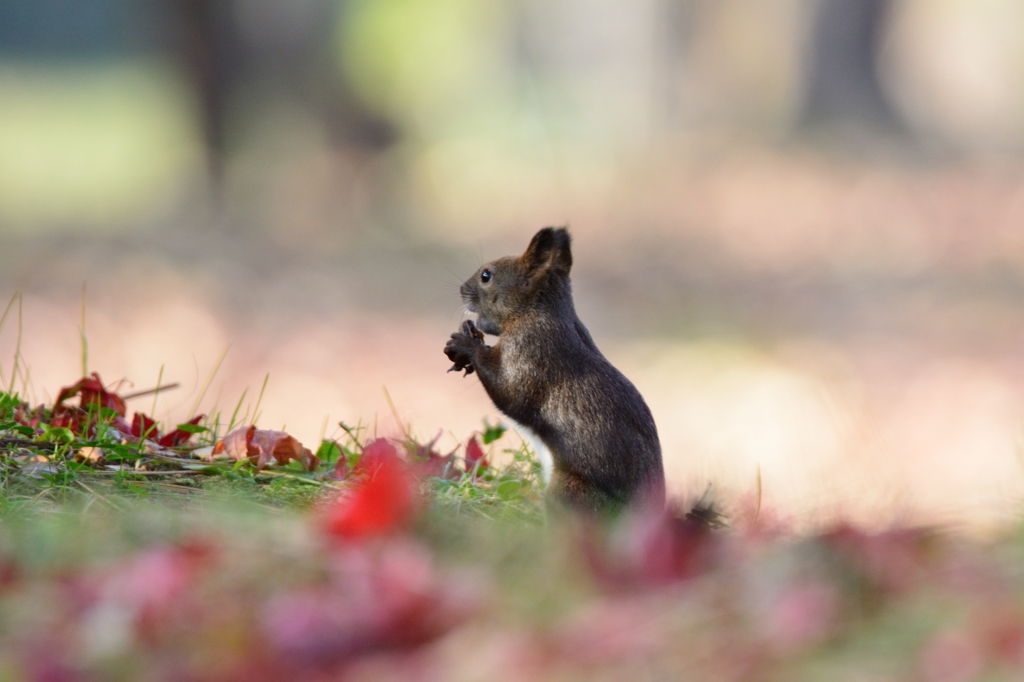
x,y
546,373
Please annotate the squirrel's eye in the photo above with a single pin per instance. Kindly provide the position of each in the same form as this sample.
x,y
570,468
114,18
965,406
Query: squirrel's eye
x,y
485,276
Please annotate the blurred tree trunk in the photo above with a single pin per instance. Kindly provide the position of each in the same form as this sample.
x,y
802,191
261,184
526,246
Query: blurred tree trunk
x,y
843,88
208,47
229,45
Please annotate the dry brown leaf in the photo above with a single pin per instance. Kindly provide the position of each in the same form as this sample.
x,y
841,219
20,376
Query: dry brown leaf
x,y
263,446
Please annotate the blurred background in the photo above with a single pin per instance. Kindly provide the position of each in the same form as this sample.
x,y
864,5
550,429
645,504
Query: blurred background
x,y
797,223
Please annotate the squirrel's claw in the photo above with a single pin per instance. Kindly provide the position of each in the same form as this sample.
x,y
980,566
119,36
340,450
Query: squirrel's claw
x,y
456,368
461,348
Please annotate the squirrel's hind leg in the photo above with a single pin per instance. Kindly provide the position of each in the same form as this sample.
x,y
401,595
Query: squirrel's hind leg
x,y
568,491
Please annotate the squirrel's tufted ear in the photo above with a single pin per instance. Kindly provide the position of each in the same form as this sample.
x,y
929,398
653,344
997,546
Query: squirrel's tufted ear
x,y
549,249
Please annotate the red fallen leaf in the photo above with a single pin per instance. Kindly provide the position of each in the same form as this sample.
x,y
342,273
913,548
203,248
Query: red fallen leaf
x,y
263,446
236,444
475,457
65,420
26,416
91,393
143,426
382,501
179,436
281,447
429,462
374,452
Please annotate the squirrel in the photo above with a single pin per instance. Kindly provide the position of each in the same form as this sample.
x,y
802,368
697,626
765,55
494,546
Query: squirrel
x,y
592,429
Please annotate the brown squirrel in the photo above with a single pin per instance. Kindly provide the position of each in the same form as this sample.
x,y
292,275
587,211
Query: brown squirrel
x,y
546,374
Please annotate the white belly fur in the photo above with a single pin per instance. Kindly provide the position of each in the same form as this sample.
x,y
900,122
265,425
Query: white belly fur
x,y
547,464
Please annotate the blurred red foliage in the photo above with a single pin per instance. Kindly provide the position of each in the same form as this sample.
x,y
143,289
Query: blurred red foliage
x,y
383,498
376,601
649,547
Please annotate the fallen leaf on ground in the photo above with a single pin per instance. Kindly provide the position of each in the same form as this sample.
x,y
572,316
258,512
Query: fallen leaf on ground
x,y
144,426
429,462
179,436
263,446
475,457
91,393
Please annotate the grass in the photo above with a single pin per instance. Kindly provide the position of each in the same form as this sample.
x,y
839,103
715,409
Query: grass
x,y
43,463
126,553
59,454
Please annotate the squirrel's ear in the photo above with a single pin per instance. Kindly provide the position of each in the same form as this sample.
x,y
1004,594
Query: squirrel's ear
x,y
549,249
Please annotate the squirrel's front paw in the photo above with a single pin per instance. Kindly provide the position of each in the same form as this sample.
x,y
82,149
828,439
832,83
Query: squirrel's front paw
x,y
469,329
461,348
